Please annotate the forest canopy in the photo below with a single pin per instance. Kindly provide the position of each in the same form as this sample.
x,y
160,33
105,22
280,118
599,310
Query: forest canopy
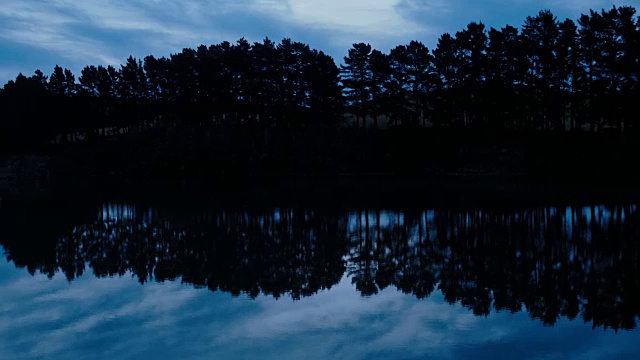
x,y
549,75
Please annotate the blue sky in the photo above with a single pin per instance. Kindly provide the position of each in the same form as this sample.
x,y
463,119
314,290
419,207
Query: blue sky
x,y
38,34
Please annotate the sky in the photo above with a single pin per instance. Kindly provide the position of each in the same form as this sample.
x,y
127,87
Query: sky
x,y
39,34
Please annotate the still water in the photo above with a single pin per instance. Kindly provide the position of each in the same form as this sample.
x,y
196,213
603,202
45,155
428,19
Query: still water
x,y
134,282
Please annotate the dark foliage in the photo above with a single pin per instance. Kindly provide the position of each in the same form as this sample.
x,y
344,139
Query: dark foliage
x,y
263,109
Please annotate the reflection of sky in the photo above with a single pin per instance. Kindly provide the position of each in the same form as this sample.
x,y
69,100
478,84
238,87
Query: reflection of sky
x,y
117,318
597,215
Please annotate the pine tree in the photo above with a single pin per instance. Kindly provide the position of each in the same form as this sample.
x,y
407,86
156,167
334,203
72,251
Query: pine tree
x,y
356,78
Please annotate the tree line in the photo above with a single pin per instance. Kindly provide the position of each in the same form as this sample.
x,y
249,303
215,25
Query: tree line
x,y
548,75
553,262
236,84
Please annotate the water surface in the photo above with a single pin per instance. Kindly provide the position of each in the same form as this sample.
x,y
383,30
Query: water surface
x,y
120,281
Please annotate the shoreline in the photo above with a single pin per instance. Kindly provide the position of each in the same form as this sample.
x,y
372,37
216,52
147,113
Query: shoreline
x,y
345,190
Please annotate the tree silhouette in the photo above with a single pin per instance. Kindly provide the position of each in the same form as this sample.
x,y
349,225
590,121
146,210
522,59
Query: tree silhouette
x,y
483,101
356,78
62,82
567,57
448,64
472,43
505,75
414,79
551,76
540,35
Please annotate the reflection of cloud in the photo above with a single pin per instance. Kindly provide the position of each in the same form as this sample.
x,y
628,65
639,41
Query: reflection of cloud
x,y
357,327
153,302
336,322
73,315
118,318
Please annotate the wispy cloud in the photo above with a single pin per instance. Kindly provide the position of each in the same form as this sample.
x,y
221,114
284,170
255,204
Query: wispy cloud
x,y
379,18
8,73
583,6
49,28
76,33
93,31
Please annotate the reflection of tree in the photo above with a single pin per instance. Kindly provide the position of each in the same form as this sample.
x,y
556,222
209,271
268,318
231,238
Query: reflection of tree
x,y
553,262
29,236
273,252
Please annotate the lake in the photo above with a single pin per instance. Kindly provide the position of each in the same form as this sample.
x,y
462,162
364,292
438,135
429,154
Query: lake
x,y
120,281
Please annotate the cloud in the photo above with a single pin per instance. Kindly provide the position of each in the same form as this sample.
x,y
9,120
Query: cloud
x,y
51,29
9,73
358,16
106,32
77,33
583,6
